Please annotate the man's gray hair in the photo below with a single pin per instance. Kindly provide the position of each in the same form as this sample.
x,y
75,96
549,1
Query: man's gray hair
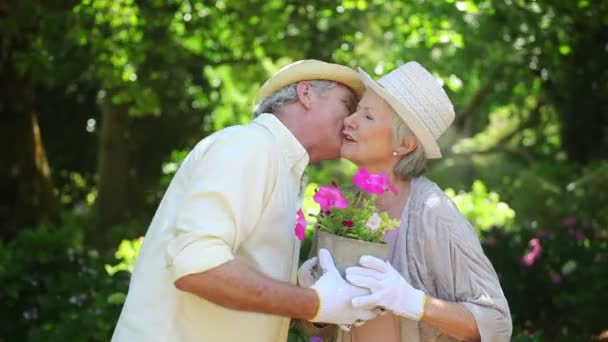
x,y
414,163
288,94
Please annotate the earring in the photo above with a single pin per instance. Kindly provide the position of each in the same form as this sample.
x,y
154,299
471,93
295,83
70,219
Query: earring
x,y
395,153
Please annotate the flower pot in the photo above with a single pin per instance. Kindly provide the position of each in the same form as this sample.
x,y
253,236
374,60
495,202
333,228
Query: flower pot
x,y
346,251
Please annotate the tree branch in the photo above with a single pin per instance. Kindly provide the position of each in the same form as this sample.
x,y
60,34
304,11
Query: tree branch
x,y
499,147
477,99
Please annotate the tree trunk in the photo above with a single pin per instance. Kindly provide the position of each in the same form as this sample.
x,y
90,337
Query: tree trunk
x,y
25,179
113,165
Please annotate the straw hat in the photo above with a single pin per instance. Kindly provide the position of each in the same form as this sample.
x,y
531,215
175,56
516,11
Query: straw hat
x,y
311,69
419,100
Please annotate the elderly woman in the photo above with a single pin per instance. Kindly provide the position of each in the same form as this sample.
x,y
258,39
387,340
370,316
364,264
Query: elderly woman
x,y
437,284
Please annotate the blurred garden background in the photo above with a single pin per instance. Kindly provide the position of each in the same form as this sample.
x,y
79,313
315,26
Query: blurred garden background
x,y
100,100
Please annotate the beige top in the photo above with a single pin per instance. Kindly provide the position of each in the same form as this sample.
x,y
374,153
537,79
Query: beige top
x,y
438,251
234,197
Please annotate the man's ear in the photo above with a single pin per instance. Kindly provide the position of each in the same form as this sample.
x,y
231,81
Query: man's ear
x,y
406,146
304,91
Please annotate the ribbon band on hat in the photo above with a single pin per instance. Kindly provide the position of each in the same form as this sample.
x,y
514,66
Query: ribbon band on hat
x,y
311,69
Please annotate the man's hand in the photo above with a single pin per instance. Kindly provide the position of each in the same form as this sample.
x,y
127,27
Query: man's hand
x,y
389,289
306,276
336,295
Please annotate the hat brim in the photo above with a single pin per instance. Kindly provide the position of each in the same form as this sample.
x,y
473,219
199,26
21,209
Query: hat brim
x,y
311,70
430,146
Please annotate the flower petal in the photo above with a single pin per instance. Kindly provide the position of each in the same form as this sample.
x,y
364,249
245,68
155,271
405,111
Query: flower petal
x,y
300,232
330,197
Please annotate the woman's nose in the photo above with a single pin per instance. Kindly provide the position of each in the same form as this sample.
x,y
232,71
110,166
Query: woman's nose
x,y
350,121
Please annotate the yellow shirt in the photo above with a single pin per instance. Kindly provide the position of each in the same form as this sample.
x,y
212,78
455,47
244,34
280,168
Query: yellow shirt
x,y
234,197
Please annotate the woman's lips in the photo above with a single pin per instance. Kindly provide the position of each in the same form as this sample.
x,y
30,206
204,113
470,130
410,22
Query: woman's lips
x,y
348,137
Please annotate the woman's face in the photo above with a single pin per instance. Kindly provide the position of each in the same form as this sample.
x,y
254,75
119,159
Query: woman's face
x,y
368,134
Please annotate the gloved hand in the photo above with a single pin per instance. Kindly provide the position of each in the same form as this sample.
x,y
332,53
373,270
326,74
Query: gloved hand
x,y
336,295
389,289
306,273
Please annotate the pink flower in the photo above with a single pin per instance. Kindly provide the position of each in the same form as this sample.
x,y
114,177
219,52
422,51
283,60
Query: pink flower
x,y
569,221
347,223
535,249
328,197
374,183
301,223
543,233
534,243
576,234
315,339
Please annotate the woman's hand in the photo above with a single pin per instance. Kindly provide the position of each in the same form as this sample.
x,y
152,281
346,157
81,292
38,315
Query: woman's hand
x,y
388,288
391,291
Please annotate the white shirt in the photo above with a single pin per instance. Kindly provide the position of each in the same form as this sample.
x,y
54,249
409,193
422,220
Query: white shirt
x,y
234,197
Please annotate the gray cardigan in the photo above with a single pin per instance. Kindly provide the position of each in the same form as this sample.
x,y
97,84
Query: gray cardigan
x,y
438,252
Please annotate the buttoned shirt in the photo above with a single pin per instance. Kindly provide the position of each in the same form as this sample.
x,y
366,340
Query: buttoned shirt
x,y
235,196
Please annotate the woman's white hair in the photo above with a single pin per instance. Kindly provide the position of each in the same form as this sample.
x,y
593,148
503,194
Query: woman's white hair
x,y
287,95
414,163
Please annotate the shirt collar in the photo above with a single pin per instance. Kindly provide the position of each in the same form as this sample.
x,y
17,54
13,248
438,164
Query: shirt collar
x,y
296,155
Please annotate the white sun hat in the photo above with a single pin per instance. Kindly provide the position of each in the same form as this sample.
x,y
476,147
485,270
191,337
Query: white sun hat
x,y
418,98
311,69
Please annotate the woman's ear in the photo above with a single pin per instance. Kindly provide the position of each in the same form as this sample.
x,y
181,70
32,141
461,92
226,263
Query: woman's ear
x,y
304,90
406,146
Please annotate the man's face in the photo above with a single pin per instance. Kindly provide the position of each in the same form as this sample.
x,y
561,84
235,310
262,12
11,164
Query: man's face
x,y
331,108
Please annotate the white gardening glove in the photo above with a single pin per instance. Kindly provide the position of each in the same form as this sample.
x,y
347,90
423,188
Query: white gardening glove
x,y
306,273
306,278
336,295
389,289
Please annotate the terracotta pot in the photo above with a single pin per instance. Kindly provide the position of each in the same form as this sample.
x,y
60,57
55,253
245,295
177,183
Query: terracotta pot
x,y
346,251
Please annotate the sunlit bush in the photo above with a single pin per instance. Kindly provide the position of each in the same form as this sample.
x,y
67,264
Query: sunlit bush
x,y
482,208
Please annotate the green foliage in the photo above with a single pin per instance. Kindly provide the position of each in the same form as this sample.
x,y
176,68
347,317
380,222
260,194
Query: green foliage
x,y
528,80
55,287
170,167
548,294
296,336
361,220
527,337
127,253
558,293
482,208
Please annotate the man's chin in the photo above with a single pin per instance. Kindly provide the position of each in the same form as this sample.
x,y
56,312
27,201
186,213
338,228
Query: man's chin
x,y
336,156
331,156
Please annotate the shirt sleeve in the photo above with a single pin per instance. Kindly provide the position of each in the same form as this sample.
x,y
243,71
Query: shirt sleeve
x,y
460,270
228,186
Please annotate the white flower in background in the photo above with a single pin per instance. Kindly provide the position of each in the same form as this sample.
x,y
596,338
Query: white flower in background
x,y
569,267
374,222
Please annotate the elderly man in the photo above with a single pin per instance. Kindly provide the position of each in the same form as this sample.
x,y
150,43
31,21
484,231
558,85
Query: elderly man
x,y
219,260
